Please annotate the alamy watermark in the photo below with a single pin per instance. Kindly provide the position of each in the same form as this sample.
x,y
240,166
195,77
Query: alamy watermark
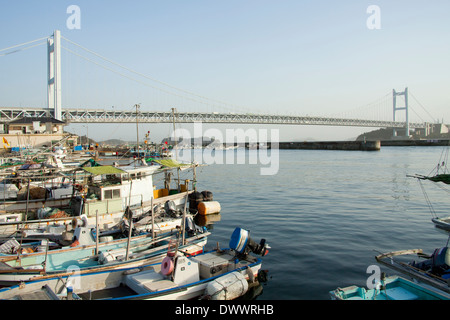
x,y
265,154
374,20
374,280
74,20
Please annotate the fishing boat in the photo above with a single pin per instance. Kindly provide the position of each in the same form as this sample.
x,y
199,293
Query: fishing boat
x,y
442,223
109,191
221,274
390,288
440,175
90,251
433,270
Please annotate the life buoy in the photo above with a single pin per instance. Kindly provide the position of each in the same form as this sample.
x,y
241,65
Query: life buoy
x,y
167,266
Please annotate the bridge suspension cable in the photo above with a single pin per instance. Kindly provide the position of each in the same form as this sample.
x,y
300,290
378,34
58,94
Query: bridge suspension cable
x,y
428,113
379,109
191,95
21,45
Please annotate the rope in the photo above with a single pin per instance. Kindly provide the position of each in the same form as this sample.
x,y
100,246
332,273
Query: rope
x,y
427,199
443,187
442,163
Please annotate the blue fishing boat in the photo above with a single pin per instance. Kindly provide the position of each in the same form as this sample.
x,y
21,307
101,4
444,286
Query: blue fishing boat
x,y
390,288
87,254
431,269
221,274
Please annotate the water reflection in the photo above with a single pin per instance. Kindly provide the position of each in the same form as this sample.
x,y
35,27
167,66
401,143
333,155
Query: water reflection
x,y
207,220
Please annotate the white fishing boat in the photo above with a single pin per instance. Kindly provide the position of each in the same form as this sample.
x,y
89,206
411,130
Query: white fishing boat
x,y
109,191
217,275
442,223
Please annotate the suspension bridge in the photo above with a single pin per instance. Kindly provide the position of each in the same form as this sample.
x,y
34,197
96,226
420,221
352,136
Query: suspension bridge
x,y
56,43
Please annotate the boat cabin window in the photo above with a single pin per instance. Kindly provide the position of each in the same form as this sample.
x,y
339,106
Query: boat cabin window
x,y
136,176
111,194
112,179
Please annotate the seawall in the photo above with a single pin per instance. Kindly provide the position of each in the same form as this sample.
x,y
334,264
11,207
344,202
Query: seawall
x,y
333,145
415,143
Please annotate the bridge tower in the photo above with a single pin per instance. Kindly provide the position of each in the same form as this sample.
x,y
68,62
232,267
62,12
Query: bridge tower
x,y
54,74
405,107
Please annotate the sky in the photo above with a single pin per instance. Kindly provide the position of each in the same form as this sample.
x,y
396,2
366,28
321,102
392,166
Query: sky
x,y
292,57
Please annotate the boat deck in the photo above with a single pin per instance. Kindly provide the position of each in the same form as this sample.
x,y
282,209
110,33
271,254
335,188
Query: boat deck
x,y
45,293
117,292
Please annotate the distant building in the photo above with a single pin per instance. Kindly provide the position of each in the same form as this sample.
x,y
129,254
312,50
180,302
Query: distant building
x,y
35,125
432,129
33,132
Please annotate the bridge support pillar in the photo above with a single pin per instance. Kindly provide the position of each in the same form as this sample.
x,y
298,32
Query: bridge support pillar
x,y
395,108
54,74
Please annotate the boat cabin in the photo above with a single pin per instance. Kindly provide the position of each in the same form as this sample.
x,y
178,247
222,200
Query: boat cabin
x,y
112,189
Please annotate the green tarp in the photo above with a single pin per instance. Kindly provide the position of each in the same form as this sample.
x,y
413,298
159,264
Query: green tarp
x,y
170,163
103,170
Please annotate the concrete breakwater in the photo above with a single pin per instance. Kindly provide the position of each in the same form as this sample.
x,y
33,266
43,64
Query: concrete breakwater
x,y
415,143
333,145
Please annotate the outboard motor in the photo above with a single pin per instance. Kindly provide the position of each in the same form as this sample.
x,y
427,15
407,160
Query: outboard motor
x,y
191,228
170,208
437,264
77,206
441,261
242,243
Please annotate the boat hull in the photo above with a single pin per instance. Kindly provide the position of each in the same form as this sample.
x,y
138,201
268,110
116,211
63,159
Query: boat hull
x,y
84,259
394,288
85,285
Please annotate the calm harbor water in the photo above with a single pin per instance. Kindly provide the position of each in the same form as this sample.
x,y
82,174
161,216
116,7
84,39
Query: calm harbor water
x,y
326,214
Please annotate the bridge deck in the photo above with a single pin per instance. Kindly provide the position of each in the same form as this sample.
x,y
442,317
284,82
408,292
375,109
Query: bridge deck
x,y
103,116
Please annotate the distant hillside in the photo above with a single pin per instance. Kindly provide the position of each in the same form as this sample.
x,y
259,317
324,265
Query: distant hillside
x,y
386,134
380,134
113,142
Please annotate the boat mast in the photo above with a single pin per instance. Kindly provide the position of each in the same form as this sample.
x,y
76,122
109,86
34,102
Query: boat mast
x,y
137,132
174,143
